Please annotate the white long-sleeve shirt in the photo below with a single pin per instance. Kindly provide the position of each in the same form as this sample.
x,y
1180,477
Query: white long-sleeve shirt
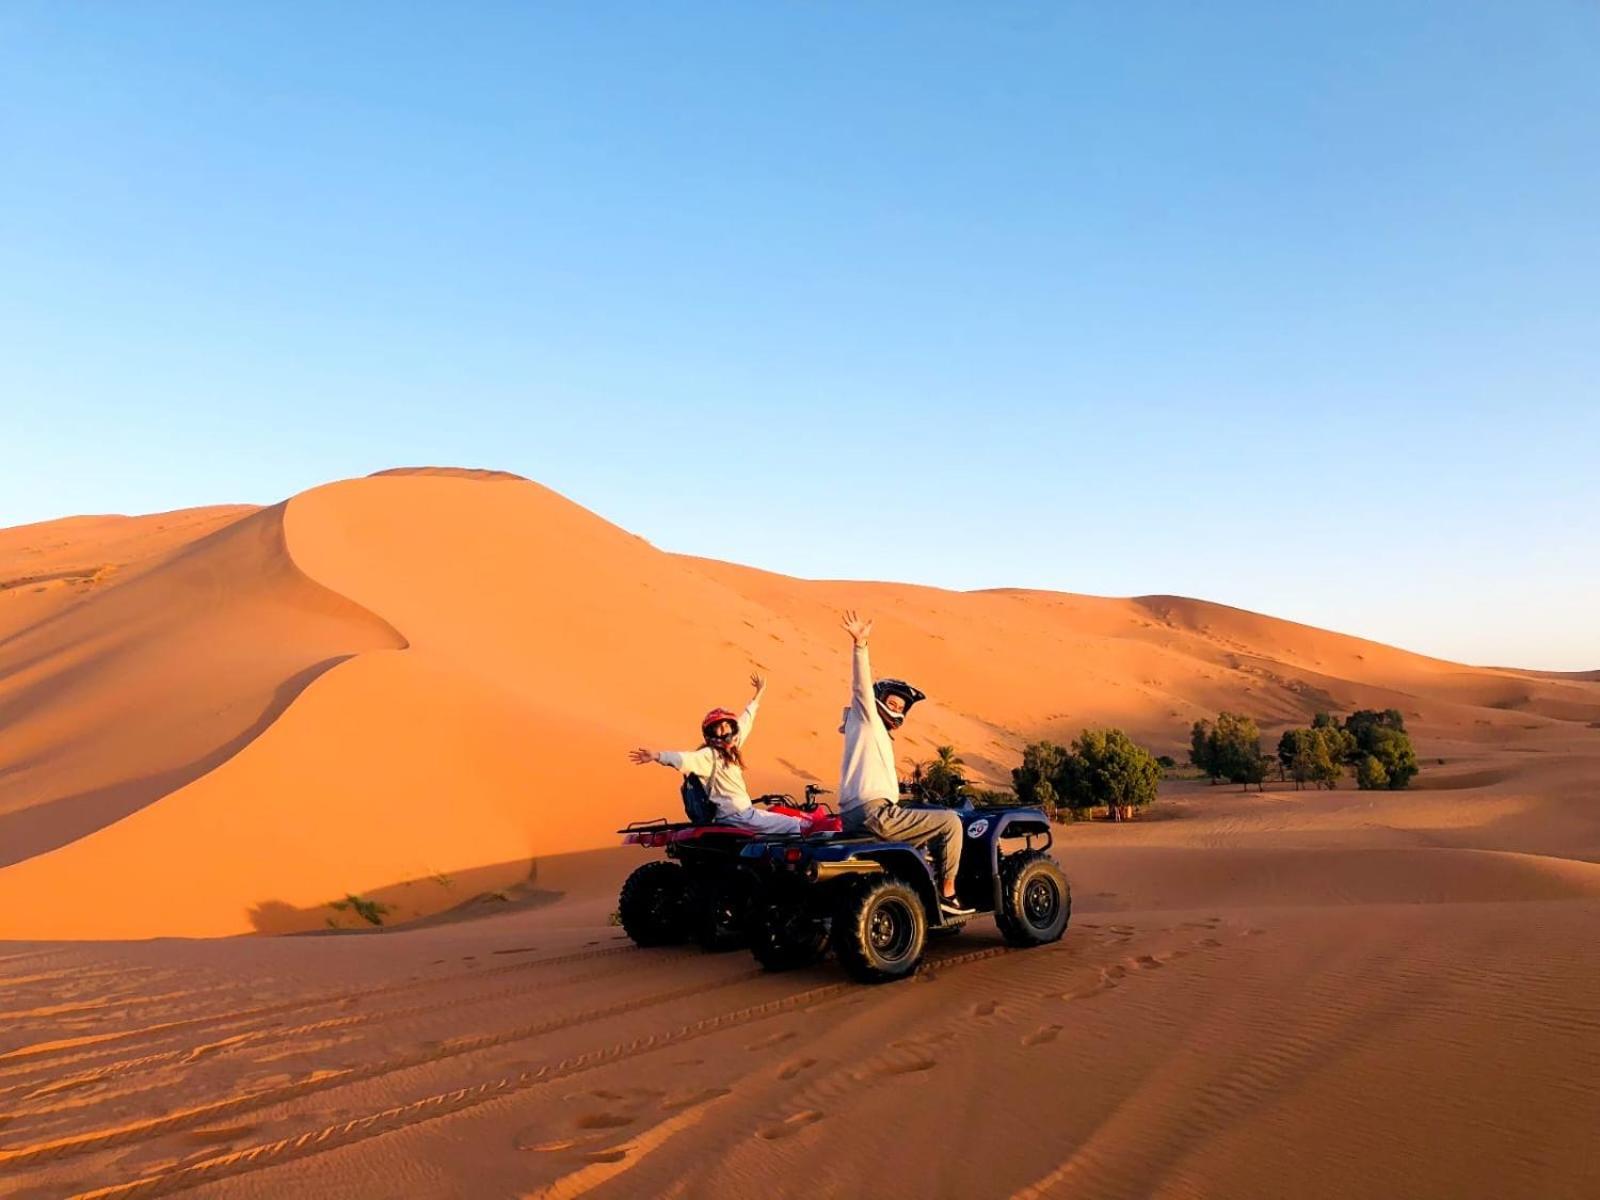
x,y
867,772
724,780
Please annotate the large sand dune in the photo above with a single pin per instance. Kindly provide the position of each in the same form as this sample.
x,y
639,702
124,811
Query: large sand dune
x,y
419,687
237,716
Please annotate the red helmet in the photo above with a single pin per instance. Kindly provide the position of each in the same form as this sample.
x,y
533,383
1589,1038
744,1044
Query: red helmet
x,y
714,718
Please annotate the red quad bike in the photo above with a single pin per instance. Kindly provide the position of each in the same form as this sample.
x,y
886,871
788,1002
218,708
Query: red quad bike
x,y
702,891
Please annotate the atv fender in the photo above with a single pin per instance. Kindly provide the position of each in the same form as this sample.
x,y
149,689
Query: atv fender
x,y
906,864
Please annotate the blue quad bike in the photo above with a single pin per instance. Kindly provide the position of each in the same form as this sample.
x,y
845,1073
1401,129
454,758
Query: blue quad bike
x,y
876,904
873,902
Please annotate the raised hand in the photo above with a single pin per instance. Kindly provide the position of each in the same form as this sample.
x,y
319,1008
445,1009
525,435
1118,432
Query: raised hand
x,y
641,756
857,627
758,681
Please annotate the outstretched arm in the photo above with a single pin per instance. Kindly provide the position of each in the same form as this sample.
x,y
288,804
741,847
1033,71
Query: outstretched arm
x,y
693,762
860,669
748,717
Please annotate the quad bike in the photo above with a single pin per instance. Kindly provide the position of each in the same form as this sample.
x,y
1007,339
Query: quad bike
x,y
876,903
702,891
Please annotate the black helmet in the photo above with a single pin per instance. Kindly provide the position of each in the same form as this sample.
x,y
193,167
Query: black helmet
x,y
884,688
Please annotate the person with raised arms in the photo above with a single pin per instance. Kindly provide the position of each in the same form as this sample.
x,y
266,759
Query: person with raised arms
x,y
719,761
869,787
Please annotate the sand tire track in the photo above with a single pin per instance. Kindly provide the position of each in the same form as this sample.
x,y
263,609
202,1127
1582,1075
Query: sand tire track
x,y
445,1103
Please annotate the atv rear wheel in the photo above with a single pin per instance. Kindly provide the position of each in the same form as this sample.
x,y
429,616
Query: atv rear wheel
x,y
651,905
719,912
1035,900
880,931
782,940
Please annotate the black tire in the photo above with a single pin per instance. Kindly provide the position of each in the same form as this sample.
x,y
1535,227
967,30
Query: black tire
x,y
651,905
880,931
719,913
783,940
1035,900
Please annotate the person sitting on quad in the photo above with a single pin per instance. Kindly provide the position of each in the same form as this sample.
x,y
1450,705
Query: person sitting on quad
x,y
869,787
720,764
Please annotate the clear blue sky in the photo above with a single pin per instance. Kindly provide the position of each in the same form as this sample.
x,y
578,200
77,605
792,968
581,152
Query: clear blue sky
x,y
1291,306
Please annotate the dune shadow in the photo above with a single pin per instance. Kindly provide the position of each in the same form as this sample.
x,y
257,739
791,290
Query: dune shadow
x,y
416,903
40,828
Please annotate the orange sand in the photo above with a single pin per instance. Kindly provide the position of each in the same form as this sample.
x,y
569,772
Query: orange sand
x,y
215,722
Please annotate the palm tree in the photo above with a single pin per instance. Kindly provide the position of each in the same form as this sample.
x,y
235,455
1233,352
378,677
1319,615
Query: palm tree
x,y
942,779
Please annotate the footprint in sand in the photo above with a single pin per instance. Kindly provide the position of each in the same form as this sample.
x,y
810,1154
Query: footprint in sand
x,y
909,1067
1041,1035
1124,930
985,1008
1209,943
208,1137
773,1040
693,1098
526,1141
1148,962
790,1070
603,1120
789,1125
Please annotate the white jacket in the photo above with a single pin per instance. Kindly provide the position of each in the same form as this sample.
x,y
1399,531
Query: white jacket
x,y
724,780
867,772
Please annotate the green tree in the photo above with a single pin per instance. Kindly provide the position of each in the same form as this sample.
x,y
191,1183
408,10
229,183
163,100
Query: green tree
x,y
1295,752
1234,749
1313,755
1392,750
1035,780
1252,770
1370,775
1327,753
1200,750
940,780
1107,767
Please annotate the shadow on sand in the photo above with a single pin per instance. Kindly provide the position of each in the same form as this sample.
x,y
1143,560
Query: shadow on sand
x,y
40,828
415,903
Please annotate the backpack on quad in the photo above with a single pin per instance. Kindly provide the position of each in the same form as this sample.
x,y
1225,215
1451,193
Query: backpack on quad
x,y
703,890
876,903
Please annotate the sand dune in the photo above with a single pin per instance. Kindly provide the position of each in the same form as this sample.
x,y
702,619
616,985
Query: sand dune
x,y
418,687
423,674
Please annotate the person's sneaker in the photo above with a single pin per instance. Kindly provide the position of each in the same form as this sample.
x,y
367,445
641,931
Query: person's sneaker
x,y
954,907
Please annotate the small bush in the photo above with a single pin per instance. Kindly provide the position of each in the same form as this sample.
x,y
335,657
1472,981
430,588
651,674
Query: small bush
x,y
369,911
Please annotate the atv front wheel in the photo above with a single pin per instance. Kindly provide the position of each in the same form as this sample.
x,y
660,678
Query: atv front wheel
x,y
651,905
880,931
783,940
1035,900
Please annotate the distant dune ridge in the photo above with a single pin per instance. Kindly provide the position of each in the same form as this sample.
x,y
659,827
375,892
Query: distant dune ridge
x,y
215,721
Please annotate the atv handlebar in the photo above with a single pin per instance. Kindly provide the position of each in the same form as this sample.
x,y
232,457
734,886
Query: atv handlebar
x,y
810,803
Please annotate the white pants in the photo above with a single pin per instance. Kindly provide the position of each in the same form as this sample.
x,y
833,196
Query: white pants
x,y
760,820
